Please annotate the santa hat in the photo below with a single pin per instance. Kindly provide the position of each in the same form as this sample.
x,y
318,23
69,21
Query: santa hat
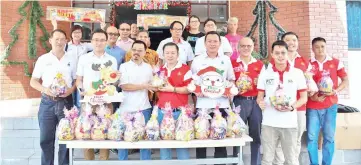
x,y
210,69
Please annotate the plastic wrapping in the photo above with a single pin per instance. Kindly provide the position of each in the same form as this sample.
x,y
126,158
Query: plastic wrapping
x,y
244,83
326,83
235,125
152,127
103,111
66,127
58,86
167,127
280,100
134,127
159,78
100,128
218,125
117,128
185,125
84,124
202,125
311,84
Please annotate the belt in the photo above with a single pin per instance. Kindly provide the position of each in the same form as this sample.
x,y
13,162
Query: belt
x,y
248,97
53,98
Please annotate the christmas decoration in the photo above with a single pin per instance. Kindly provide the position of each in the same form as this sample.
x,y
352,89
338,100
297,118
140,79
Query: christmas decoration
x,y
261,21
34,17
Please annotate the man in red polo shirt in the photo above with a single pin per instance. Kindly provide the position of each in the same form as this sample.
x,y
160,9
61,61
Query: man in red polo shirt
x,y
247,70
301,63
322,106
178,77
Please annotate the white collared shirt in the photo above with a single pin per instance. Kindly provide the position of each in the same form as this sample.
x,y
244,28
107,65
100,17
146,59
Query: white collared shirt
x,y
328,58
245,66
221,62
224,48
133,73
48,65
293,80
80,49
185,50
85,67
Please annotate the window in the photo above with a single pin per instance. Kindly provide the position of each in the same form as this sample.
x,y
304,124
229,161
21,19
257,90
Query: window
x,y
354,24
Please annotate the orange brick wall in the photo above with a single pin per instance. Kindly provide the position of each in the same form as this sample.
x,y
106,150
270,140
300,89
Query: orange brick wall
x,y
14,84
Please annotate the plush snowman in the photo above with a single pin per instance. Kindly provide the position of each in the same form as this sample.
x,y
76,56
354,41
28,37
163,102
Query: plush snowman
x,y
209,82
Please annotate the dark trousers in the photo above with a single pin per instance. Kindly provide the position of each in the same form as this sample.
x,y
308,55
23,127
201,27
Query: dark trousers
x,y
49,115
251,113
219,152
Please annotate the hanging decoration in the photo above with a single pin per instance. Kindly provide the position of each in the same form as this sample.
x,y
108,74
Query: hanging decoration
x,y
34,17
261,22
149,5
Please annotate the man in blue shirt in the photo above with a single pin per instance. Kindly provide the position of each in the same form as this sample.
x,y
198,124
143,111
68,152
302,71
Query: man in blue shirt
x,y
111,48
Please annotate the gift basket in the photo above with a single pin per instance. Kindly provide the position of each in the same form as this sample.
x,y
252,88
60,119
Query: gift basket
x,y
244,83
202,125
58,86
159,78
134,127
167,126
280,100
326,84
311,84
218,125
117,128
66,127
84,124
152,127
235,124
185,125
100,128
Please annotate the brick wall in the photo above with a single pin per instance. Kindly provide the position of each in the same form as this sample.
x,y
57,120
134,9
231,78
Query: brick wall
x,y
14,85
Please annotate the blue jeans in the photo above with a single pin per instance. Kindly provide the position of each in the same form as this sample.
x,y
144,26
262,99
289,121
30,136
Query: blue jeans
x,y
76,98
326,120
166,153
145,154
49,115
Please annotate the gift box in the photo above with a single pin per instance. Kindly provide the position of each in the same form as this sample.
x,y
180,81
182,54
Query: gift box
x,y
185,124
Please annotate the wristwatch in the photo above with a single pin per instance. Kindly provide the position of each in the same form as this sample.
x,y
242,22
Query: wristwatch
x,y
292,108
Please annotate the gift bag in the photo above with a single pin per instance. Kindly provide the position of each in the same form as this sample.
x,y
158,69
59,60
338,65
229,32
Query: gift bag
x,y
326,84
279,99
84,124
244,83
185,125
311,84
218,125
58,85
152,127
202,125
66,127
100,128
117,128
235,125
159,77
134,127
167,126
103,111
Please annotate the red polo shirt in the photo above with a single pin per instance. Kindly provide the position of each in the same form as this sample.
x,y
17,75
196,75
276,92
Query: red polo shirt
x,y
302,64
253,70
180,76
336,69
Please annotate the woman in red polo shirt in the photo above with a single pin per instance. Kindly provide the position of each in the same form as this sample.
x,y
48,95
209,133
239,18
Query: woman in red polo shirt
x,y
178,77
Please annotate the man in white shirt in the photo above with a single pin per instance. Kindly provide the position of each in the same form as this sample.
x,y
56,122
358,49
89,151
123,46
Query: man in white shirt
x,y
86,75
225,47
135,81
48,67
185,49
212,58
280,122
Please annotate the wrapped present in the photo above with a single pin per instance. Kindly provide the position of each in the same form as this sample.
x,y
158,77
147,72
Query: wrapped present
x,y
83,127
326,84
103,111
66,127
134,127
202,125
152,127
58,86
167,126
117,128
311,84
244,83
218,125
100,128
279,100
235,124
159,78
185,125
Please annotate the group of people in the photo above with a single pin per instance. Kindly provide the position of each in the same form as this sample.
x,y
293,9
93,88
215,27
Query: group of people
x,y
181,56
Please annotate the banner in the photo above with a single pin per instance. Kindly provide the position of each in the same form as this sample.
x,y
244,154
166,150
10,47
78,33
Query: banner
x,y
72,14
158,20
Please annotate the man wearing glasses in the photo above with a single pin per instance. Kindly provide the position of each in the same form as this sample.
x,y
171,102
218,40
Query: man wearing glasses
x,y
125,42
185,49
111,48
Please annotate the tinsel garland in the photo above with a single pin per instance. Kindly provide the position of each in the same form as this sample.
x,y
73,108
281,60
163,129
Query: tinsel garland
x,y
130,3
261,21
36,13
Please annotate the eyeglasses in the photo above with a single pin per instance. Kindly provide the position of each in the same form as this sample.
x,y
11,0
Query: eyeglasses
x,y
95,40
124,30
113,34
194,21
138,51
245,46
177,29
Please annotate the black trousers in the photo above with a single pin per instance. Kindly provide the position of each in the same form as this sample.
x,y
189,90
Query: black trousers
x,y
219,152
